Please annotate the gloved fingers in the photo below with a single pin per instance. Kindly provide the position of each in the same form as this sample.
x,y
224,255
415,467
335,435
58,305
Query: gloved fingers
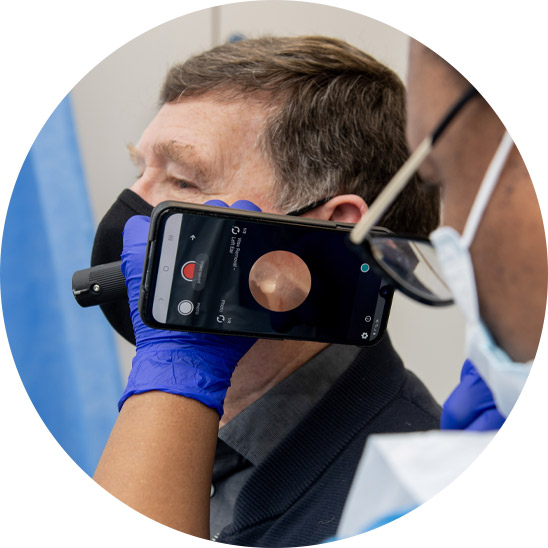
x,y
488,420
218,203
245,204
194,365
238,204
135,237
136,230
468,369
468,401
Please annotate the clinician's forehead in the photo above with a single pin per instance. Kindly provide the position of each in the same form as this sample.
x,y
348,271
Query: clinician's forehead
x,y
433,84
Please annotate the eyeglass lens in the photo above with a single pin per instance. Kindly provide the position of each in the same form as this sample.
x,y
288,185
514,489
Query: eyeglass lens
x,y
413,264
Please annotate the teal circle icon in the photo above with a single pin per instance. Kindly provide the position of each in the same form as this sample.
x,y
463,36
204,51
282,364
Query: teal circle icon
x,y
364,267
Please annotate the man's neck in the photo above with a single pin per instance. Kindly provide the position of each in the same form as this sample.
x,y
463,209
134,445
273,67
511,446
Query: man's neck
x,y
263,367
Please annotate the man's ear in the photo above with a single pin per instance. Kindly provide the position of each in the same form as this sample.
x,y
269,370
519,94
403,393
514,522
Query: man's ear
x,y
347,208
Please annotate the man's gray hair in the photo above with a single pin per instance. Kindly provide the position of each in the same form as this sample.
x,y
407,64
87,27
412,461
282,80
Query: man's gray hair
x,y
334,122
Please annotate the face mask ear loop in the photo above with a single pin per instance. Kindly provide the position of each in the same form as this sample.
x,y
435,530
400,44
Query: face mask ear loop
x,y
486,188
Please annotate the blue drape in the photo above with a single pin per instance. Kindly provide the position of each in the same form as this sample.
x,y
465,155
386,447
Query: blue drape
x,y
65,355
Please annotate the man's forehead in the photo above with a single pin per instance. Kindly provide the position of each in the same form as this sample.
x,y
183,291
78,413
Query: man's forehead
x,y
207,108
210,126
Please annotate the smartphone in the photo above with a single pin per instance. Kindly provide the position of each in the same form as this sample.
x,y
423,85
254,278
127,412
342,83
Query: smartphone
x,y
219,270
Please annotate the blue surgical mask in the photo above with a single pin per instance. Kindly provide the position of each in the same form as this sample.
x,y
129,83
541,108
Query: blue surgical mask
x,y
504,376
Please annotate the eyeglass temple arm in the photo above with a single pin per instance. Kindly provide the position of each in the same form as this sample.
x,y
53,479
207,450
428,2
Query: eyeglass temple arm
x,y
390,192
404,174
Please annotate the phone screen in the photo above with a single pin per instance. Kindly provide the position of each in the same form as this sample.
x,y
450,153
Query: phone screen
x,y
245,276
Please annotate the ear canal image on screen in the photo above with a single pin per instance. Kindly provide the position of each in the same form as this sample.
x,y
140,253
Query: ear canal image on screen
x,y
280,281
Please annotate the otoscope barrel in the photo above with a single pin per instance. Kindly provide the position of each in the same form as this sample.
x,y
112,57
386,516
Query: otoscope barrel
x,y
99,284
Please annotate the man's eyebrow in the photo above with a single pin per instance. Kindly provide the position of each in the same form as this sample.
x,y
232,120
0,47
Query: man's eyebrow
x,y
185,155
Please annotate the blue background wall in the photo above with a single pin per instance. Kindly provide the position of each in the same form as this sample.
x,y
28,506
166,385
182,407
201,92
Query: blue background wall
x,y
65,355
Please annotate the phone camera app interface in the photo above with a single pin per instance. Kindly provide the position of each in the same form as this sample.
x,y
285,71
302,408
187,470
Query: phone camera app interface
x,y
267,279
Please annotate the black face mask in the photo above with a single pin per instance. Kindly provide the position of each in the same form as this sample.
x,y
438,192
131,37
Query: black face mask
x,y
107,248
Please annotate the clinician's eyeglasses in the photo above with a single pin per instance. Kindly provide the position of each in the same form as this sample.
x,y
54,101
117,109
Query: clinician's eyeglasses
x,y
409,261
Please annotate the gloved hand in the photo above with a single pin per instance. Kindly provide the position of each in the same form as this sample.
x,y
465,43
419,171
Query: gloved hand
x,y
471,405
195,365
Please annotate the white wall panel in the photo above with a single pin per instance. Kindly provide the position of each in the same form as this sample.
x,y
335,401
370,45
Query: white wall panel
x,y
254,19
116,100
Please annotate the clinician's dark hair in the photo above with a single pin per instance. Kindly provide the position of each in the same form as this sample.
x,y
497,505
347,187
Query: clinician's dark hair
x,y
335,119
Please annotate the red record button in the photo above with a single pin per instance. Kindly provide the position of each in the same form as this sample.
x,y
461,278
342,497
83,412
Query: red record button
x,y
188,270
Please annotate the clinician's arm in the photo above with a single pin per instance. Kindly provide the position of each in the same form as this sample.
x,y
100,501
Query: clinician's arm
x,y
159,457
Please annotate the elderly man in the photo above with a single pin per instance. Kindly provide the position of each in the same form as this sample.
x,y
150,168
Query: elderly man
x,y
281,122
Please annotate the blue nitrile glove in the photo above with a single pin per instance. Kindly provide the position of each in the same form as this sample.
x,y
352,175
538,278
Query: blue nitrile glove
x,y
195,365
471,405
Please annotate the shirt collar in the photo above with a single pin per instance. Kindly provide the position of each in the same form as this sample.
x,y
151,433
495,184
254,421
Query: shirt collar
x,y
255,431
